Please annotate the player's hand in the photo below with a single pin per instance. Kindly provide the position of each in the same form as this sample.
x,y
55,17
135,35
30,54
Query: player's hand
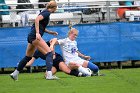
x,y
38,36
54,33
87,57
51,47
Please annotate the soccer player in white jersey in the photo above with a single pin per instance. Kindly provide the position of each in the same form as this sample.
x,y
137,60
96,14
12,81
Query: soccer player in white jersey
x,y
73,58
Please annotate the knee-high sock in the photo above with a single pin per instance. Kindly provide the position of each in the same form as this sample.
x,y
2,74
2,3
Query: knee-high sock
x,y
83,70
93,67
49,61
23,62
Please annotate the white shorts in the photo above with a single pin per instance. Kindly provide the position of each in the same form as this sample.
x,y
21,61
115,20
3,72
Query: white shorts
x,y
77,60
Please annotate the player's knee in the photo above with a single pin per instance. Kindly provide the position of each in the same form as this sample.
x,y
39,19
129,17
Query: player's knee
x,y
74,65
93,67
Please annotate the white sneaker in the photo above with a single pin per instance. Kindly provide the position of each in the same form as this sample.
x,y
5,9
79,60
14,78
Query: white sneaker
x,y
52,77
83,75
49,76
14,77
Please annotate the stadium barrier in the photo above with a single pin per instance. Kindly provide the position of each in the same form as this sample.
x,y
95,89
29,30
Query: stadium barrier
x,y
85,11
89,11
104,42
53,17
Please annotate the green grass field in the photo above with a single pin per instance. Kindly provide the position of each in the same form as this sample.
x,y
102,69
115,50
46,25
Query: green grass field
x,y
115,81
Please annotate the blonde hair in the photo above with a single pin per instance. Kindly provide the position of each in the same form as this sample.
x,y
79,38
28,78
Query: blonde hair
x,y
72,30
51,4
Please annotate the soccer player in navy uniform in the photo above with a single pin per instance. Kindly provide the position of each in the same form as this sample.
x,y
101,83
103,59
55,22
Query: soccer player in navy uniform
x,y
58,63
35,40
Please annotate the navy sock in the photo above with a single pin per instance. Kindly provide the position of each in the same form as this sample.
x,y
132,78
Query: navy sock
x,y
23,62
49,61
74,72
93,67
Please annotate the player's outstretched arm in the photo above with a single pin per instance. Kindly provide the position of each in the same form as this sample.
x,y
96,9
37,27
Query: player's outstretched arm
x,y
53,42
51,32
83,56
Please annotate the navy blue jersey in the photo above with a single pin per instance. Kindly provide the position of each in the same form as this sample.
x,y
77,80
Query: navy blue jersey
x,y
42,24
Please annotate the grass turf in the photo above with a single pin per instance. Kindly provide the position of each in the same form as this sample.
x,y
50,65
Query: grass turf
x,y
115,81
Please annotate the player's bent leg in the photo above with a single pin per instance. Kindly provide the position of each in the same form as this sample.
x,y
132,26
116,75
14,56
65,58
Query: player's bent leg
x,y
63,67
92,67
73,65
43,48
54,70
30,50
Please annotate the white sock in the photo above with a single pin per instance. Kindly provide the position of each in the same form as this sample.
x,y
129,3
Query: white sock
x,y
16,72
83,70
49,74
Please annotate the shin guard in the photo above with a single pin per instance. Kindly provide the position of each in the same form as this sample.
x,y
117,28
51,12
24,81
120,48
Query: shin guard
x,y
23,62
49,61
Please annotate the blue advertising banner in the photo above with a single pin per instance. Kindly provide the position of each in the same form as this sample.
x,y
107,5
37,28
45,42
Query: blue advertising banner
x,y
104,42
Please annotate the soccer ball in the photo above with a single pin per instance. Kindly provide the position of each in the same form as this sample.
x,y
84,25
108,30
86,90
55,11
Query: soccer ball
x,y
89,71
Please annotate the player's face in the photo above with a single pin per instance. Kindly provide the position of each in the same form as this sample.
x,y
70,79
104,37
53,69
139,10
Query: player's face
x,y
73,35
54,9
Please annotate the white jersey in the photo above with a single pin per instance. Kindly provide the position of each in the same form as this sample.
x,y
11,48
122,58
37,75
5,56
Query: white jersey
x,y
69,49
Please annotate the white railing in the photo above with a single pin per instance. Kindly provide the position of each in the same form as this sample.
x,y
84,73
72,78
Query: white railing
x,y
104,5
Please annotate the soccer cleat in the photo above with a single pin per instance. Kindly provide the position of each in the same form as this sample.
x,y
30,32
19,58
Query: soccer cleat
x,y
86,75
52,77
101,75
97,74
49,76
83,75
14,77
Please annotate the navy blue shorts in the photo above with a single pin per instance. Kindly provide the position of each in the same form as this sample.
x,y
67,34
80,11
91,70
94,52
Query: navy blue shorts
x,y
57,60
32,35
31,38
